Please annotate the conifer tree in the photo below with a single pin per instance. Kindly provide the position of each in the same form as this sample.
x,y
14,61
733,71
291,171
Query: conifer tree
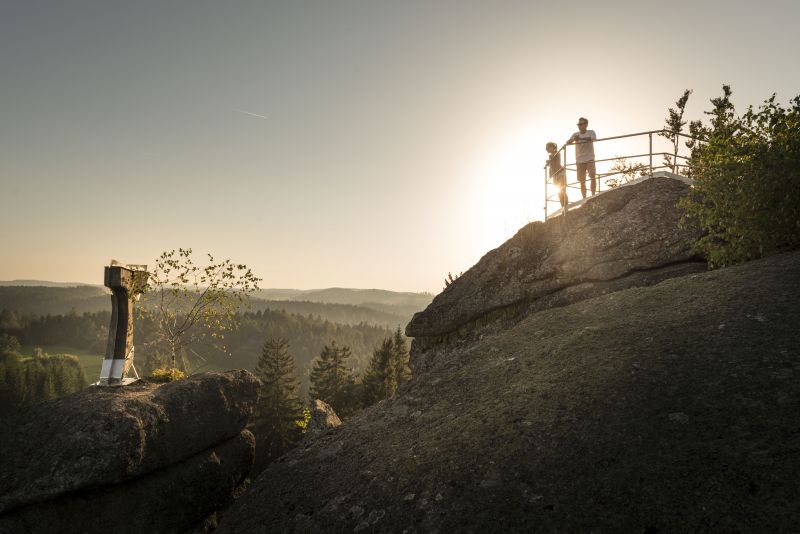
x,y
378,380
332,380
279,408
387,370
402,370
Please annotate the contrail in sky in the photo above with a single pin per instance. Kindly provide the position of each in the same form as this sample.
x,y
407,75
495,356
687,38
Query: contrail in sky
x,y
248,113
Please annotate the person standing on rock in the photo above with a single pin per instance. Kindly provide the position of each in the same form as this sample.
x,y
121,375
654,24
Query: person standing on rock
x,y
584,140
557,172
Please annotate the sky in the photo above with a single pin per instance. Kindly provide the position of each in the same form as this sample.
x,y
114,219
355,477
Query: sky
x,y
369,144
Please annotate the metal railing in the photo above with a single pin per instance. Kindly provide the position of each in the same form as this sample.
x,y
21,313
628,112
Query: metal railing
x,y
635,161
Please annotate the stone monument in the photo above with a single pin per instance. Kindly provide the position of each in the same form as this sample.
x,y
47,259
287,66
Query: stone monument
x,y
127,284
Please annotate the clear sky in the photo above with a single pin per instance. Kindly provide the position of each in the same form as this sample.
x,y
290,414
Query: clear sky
x,y
334,143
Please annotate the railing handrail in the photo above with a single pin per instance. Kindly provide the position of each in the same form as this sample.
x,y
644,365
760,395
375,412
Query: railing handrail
x,y
664,132
649,132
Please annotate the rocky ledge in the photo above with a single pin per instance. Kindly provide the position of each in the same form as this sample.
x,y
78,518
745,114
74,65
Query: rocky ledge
x,y
146,457
624,238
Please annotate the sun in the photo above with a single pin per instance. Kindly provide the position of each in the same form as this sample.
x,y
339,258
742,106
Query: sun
x,y
508,186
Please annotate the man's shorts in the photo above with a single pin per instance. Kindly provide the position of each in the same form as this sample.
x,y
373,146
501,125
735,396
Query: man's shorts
x,y
583,168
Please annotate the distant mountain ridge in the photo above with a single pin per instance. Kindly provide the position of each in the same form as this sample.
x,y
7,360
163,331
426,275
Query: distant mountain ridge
x,y
43,283
339,305
343,295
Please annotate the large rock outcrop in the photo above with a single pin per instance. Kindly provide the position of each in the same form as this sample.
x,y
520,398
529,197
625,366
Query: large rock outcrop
x,y
587,376
623,238
670,408
169,454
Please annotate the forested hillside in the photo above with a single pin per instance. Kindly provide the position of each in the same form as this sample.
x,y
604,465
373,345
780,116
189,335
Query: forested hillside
x,y
41,300
306,334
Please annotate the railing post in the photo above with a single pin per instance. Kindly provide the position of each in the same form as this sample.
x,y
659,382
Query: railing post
x,y
650,135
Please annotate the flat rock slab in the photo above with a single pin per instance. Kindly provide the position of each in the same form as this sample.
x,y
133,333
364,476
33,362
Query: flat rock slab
x,y
612,236
107,435
169,500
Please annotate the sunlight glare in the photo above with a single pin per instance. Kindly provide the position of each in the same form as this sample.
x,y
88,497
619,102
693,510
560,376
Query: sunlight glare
x,y
509,190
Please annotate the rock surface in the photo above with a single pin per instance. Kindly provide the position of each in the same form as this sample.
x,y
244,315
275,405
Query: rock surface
x,y
323,418
102,443
668,408
628,237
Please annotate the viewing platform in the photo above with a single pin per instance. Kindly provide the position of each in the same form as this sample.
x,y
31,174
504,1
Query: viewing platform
x,y
626,167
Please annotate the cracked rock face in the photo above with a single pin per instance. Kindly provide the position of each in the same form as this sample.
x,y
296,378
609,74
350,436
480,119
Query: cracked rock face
x,y
116,440
623,238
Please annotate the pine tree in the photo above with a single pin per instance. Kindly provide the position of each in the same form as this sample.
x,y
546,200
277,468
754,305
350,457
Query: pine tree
x,y
387,370
378,380
333,382
279,407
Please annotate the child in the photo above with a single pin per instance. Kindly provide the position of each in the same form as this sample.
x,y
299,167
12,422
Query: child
x,y
557,172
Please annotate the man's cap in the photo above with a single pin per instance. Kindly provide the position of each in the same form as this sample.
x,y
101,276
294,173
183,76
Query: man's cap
x,y
583,119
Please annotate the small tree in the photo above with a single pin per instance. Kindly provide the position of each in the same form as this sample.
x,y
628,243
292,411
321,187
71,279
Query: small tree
x,y
189,303
275,421
625,172
333,381
449,279
674,126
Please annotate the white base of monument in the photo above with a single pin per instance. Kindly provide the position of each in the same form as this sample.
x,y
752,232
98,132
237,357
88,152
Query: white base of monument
x,y
123,382
113,372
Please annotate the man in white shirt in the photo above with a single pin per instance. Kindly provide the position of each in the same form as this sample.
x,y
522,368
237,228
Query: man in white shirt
x,y
584,154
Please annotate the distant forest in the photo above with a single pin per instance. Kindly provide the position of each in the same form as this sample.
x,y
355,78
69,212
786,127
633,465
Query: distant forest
x,y
346,306
306,334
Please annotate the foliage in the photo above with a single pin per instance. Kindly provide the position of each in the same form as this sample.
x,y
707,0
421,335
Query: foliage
x,y
450,278
333,381
275,421
387,370
746,194
190,303
9,343
626,172
28,381
167,374
302,423
673,126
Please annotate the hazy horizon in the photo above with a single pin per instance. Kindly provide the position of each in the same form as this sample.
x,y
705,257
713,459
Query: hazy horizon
x,y
349,144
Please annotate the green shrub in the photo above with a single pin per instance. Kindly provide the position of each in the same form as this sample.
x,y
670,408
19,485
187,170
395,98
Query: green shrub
x,y
746,194
164,374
